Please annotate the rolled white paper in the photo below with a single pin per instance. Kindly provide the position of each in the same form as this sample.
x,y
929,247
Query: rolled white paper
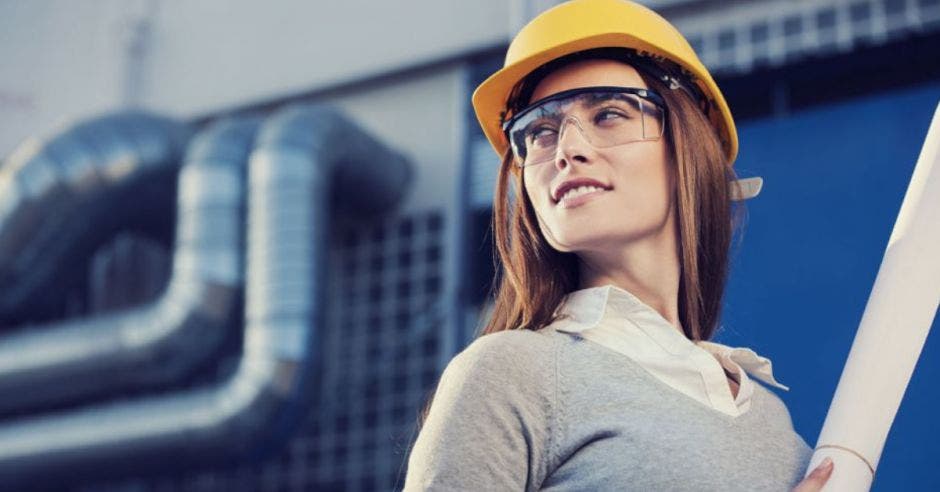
x,y
897,319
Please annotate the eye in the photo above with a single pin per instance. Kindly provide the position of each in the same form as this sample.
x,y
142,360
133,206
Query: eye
x,y
609,115
541,134
541,131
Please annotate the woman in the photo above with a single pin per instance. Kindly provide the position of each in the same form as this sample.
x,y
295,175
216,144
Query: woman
x,y
594,372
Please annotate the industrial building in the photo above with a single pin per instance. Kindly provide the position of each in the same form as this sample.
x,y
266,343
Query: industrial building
x,y
239,241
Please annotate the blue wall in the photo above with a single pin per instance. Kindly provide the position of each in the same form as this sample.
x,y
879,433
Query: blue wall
x,y
835,177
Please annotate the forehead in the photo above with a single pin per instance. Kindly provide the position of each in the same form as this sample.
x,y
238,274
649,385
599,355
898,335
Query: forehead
x,y
588,73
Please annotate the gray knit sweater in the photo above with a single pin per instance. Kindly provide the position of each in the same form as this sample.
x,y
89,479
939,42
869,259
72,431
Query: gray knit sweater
x,y
546,410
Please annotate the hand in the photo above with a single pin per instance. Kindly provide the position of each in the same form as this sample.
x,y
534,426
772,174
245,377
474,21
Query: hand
x,y
815,480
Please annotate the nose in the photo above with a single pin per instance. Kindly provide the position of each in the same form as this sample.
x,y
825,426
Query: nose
x,y
572,145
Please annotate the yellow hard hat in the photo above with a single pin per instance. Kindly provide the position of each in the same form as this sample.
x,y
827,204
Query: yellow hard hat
x,y
581,25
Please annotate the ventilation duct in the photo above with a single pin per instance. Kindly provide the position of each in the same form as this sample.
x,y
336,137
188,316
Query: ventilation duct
x,y
300,155
160,342
50,191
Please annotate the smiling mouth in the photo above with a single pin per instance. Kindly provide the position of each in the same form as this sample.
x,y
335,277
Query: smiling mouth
x,y
578,196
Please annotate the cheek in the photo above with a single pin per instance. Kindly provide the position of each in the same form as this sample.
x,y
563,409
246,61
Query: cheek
x,y
535,187
645,185
648,186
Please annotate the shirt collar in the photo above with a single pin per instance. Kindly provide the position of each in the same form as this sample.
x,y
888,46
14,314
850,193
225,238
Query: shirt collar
x,y
756,365
586,308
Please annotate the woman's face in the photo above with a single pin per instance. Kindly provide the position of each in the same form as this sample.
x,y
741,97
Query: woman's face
x,y
637,202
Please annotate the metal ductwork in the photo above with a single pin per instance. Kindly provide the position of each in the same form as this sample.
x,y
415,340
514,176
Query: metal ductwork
x,y
52,190
301,156
160,342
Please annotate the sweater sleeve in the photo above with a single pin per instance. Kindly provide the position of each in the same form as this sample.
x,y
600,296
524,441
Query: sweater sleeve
x,y
490,423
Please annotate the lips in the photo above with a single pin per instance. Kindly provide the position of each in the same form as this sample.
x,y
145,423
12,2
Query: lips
x,y
576,183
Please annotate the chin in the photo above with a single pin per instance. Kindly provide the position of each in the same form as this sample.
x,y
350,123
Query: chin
x,y
573,243
596,239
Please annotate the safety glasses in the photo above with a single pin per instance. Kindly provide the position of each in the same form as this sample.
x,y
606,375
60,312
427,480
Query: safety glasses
x,y
605,116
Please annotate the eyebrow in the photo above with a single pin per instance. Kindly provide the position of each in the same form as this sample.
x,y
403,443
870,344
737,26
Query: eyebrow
x,y
590,101
644,106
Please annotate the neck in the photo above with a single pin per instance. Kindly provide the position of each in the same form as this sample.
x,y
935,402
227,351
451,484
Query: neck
x,y
648,269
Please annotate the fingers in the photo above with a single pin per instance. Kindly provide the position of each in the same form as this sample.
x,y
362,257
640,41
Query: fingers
x,y
815,480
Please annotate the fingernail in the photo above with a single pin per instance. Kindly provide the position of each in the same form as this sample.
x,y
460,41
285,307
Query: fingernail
x,y
826,463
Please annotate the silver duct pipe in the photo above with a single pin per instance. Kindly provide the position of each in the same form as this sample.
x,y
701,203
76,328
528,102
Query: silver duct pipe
x,y
50,191
162,341
300,153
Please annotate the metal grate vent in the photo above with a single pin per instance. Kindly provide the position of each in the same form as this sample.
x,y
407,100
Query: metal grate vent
x,y
381,356
382,353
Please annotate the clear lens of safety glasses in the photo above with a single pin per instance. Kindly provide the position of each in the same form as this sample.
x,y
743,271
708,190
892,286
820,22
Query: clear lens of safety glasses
x,y
606,116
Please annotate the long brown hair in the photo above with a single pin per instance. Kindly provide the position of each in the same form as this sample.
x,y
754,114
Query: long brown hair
x,y
533,278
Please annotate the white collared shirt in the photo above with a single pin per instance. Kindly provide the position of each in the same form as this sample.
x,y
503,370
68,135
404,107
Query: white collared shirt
x,y
615,318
